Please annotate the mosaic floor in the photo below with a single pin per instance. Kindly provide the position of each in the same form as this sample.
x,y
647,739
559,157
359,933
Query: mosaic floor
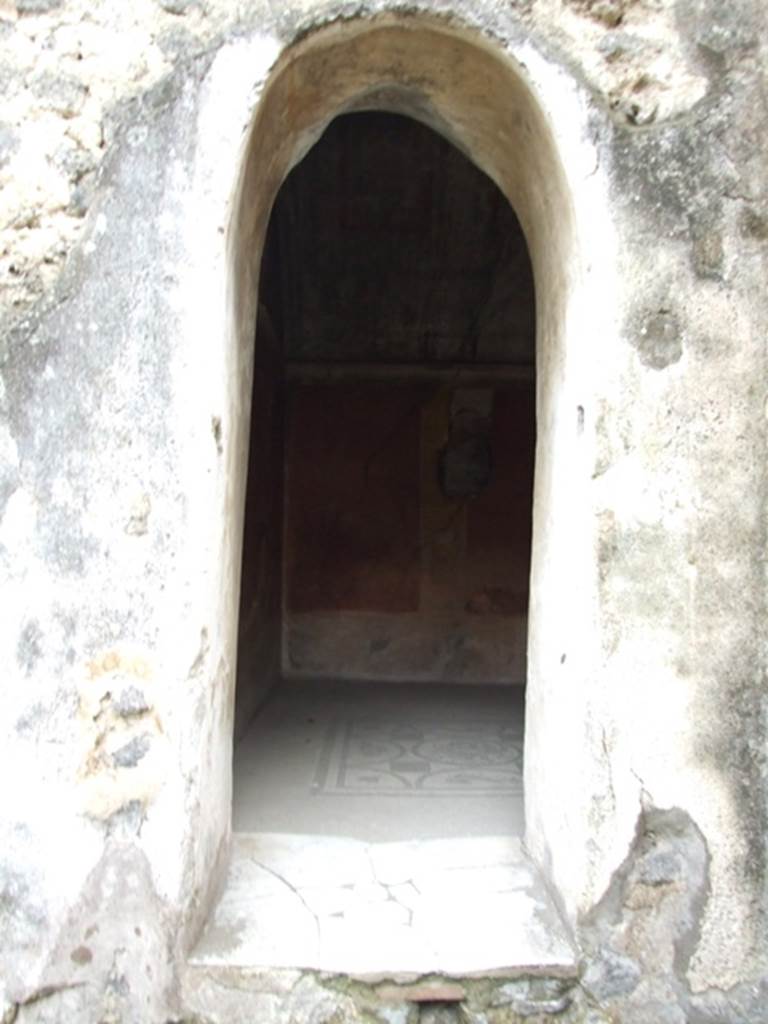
x,y
381,754
378,829
383,762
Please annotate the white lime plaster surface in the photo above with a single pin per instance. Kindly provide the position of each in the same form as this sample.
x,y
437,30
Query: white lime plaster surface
x,y
454,906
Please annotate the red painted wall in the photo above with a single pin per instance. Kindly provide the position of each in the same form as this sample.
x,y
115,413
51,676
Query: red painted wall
x,y
385,575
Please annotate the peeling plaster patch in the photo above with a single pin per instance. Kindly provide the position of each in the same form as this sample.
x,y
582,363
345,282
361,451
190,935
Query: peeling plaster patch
x,y
124,747
658,339
114,661
639,939
632,53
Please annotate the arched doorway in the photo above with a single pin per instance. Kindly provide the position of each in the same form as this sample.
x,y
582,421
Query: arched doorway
x,y
478,102
388,513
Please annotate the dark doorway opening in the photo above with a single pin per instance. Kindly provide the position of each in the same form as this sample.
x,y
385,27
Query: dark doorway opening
x,y
388,515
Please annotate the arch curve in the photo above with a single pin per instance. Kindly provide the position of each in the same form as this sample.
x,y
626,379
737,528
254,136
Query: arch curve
x,y
482,100
456,84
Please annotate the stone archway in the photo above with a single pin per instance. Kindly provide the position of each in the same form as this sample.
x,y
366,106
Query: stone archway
x,y
483,103
386,555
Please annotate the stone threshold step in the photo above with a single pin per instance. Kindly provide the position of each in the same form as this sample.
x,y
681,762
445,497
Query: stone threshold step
x,y
467,907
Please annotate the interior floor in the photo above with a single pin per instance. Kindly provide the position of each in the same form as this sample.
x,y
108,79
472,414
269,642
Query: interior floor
x,y
378,829
383,761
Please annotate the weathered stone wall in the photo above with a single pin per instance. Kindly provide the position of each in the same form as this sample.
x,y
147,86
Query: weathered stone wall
x,y
69,68
120,148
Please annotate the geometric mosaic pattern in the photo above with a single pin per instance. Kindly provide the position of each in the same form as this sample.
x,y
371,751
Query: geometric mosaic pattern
x,y
378,754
